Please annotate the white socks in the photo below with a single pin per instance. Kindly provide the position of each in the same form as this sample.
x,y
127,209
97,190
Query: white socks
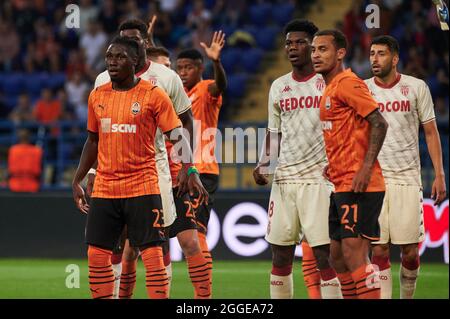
x,y
386,283
281,287
117,270
408,280
330,289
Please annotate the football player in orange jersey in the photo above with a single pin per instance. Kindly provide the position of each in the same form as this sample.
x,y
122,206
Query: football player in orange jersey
x,y
122,121
354,131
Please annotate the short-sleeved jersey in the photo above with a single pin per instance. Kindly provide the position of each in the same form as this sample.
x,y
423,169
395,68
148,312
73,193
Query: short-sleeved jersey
x,y
170,82
294,112
343,108
126,122
405,104
205,108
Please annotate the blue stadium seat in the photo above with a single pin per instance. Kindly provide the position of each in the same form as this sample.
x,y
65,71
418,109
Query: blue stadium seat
x,y
282,13
13,84
260,14
35,82
266,37
251,59
229,58
11,101
56,80
236,85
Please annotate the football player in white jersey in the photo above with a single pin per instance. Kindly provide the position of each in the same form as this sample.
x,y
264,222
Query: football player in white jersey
x,y
171,83
406,103
299,200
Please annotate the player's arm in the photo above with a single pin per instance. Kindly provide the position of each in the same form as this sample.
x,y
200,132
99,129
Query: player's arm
x,y
438,190
88,158
170,124
194,184
213,53
355,93
151,26
187,119
378,129
272,140
270,148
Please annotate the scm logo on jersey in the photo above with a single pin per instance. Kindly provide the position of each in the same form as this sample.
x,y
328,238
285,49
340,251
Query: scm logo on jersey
x,y
123,128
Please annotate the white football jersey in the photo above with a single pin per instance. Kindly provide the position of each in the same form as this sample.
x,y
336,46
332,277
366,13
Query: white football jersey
x,y
294,111
405,104
171,83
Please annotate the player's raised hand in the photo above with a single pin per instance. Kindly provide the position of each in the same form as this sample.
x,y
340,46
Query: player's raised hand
x,y
80,198
259,178
438,190
217,43
151,26
196,188
361,180
90,184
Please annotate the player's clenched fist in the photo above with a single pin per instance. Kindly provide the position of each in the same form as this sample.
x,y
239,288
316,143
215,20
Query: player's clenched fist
x,y
259,178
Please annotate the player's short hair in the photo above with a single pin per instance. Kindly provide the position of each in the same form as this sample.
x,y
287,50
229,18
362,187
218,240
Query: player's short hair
x,y
301,25
135,24
131,45
389,41
192,54
340,41
158,51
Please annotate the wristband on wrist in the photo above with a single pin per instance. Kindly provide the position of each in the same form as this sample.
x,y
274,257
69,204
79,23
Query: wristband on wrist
x,y
92,171
192,170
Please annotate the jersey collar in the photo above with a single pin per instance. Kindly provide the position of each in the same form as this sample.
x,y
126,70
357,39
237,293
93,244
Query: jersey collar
x,y
388,86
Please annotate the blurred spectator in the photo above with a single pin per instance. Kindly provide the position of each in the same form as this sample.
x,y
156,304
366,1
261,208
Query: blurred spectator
x,y
24,164
9,46
67,109
22,112
75,63
132,10
109,16
24,15
76,89
441,108
198,15
360,64
88,12
47,110
93,42
163,27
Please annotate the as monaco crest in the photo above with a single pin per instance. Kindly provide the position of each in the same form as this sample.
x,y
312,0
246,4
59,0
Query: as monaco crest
x,y
404,89
135,108
152,80
320,84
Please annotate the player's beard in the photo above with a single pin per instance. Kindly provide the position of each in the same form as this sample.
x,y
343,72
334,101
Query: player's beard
x,y
384,71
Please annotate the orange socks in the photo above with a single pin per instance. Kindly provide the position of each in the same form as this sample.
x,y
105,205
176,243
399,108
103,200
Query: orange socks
x,y
311,274
156,276
101,277
367,282
348,287
127,279
200,274
206,253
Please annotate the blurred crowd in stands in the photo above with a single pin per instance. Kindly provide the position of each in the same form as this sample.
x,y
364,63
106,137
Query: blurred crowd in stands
x,y
47,69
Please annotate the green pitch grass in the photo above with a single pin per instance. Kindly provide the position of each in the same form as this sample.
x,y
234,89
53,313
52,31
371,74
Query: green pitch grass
x,y
36,278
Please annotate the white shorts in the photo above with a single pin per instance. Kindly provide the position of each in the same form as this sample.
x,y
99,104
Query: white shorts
x,y
401,217
168,204
297,210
